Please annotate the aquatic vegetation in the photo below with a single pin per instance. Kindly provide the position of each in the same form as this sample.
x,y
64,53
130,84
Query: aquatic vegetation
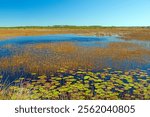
x,y
1,76
66,71
82,85
66,55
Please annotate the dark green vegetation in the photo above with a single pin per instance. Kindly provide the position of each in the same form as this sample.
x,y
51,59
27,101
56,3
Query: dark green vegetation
x,y
80,84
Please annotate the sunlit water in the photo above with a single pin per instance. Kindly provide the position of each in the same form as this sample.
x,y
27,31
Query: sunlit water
x,y
79,40
87,41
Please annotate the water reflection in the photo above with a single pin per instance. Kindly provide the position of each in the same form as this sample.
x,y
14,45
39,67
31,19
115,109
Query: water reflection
x,y
17,46
79,40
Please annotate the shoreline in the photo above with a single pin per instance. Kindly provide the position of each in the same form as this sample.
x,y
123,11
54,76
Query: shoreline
x,y
126,33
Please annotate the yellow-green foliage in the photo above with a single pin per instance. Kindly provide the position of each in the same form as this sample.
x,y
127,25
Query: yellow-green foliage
x,y
81,84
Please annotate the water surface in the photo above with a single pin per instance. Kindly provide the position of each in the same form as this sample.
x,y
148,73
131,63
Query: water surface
x,y
17,43
79,40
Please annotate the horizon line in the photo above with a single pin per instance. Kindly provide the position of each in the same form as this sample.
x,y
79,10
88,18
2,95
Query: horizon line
x,y
61,26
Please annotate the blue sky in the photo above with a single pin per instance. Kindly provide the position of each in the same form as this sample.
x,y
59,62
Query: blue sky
x,y
75,12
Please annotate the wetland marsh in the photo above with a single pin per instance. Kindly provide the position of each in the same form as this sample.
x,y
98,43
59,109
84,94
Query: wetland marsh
x,y
75,66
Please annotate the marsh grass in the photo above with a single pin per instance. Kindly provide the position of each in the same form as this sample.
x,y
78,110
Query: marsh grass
x,y
66,71
58,55
140,33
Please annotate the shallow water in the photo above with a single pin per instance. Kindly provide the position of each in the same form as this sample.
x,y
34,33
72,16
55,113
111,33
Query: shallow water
x,y
14,45
17,43
79,40
86,41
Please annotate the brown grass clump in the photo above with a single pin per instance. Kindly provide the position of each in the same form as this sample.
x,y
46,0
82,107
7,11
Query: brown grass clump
x,y
44,58
64,47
